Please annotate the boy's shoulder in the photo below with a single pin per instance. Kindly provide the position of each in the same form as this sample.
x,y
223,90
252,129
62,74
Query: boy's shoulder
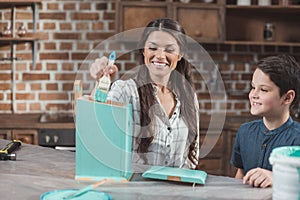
x,y
255,122
296,125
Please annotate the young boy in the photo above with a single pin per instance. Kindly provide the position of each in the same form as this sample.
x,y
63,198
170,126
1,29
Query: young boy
x,y
275,93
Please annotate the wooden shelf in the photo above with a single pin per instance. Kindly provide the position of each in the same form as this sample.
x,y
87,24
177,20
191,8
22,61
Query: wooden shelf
x,y
245,24
264,43
23,2
21,39
218,22
32,36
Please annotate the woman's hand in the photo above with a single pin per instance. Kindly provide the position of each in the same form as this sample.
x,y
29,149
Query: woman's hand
x,y
258,177
99,68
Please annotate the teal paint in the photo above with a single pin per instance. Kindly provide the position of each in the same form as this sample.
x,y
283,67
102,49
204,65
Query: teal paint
x,y
60,194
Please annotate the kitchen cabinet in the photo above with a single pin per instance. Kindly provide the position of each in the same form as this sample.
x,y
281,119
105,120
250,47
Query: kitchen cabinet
x,y
218,21
37,129
13,39
28,136
202,21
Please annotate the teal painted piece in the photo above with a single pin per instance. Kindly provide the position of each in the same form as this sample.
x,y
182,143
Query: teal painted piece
x,y
103,141
100,95
60,194
176,174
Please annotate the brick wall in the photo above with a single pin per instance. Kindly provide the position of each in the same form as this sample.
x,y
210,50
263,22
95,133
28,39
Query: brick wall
x,y
71,30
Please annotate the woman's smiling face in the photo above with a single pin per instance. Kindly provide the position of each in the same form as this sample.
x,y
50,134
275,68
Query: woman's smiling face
x,y
161,54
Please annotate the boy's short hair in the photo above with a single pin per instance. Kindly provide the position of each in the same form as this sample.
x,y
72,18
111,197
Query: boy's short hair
x,y
284,71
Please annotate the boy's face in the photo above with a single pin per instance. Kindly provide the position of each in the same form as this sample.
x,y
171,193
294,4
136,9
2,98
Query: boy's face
x,y
264,96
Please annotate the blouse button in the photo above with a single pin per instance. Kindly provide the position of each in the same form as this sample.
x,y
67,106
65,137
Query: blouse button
x,y
169,128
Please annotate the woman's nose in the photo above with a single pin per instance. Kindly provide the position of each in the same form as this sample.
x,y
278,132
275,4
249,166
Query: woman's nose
x,y
160,53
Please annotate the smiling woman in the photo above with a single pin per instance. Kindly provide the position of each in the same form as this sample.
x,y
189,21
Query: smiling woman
x,y
165,107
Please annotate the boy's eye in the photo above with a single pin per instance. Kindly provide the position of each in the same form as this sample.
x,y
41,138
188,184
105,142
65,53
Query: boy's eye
x,y
263,90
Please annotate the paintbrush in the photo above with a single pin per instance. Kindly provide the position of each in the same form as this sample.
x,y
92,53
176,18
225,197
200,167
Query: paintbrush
x,y
85,189
104,82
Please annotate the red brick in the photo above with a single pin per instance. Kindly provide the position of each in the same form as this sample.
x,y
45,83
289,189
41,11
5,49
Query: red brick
x,y
51,86
97,25
21,66
24,15
68,67
21,86
82,26
5,66
65,77
67,36
85,16
109,16
35,86
51,66
240,57
52,6
68,86
85,6
49,26
24,56
35,107
50,46
5,86
21,106
35,76
239,105
83,46
5,107
79,56
5,76
239,67
69,6
66,46
52,16
54,56
25,96
38,67
97,36
65,26
53,96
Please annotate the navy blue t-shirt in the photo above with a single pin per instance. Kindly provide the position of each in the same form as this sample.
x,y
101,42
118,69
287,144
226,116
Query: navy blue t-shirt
x,y
254,143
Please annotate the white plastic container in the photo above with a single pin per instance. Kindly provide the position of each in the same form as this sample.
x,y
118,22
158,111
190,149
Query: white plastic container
x,y
286,172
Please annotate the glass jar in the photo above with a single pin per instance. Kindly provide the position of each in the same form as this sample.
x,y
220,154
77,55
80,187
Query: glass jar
x,y
264,2
269,33
6,32
22,31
